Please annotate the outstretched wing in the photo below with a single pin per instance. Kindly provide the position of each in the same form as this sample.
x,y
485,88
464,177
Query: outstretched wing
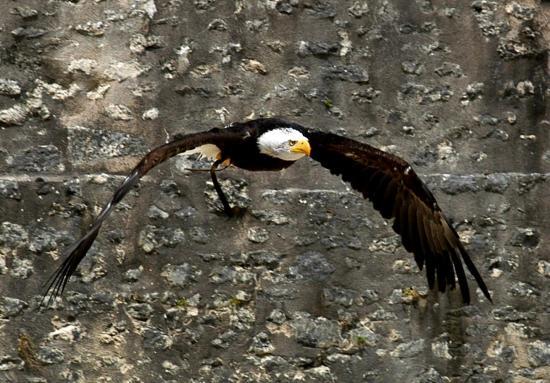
x,y
76,252
396,192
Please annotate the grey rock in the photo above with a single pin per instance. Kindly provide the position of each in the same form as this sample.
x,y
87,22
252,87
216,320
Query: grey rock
x,y
277,316
284,6
370,296
257,235
119,112
140,43
521,289
50,355
320,8
95,29
412,67
430,376
350,73
459,184
363,337
261,344
473,91
11,307
16,115
153,238
485,14
29,32
538,353
268,216
365,96
13,235
358,9
43,239
8,362
427,95
408,350
132,275
217,25
156,339
199,235
543,268
314,266
37,159
140,311
236,192
156,213
318,49
10,189
339,296
224,340
9,87
496,183
27,13
449,69
266,258
510,314
526,237
179,275
382,315
94,144
318,332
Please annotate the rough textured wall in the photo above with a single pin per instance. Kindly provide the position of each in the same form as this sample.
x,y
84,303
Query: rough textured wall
x,y
311,284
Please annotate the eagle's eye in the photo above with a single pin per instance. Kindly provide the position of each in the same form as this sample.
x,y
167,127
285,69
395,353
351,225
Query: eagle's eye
x,y
292,142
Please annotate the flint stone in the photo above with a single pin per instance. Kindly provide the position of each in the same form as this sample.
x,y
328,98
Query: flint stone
x,y
40,158
430,376
318,332
349,73
16,115
538,353
11,307
179,275
314,266
13,235
140,311
408,350
155,339
9,87
50,355
10,189
152,238
459,184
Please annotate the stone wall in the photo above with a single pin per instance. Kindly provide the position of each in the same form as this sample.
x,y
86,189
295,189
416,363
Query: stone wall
x,y
311,284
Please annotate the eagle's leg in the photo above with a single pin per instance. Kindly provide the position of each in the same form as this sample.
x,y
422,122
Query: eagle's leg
x,y
226,208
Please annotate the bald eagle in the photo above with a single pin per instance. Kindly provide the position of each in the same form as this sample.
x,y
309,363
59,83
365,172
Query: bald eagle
x,y
386,180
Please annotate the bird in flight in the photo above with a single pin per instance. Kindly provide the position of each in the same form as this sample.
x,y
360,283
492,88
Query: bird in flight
x,y
386,180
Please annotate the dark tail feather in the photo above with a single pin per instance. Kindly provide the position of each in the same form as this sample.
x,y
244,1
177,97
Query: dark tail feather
x,y
55,285
472,268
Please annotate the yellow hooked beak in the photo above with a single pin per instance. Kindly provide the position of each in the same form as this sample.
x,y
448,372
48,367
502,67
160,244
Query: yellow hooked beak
x,y
301,146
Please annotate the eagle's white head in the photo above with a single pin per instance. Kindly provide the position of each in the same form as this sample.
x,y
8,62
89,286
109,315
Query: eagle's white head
x,y
284,143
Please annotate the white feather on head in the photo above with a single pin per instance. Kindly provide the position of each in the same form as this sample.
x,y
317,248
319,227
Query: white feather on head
x,y
278,142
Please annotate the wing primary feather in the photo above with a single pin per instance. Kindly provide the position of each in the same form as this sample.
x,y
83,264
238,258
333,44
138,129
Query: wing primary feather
x,y
389,200
440,270
473,270
422,239
462,280
56,283
378,197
